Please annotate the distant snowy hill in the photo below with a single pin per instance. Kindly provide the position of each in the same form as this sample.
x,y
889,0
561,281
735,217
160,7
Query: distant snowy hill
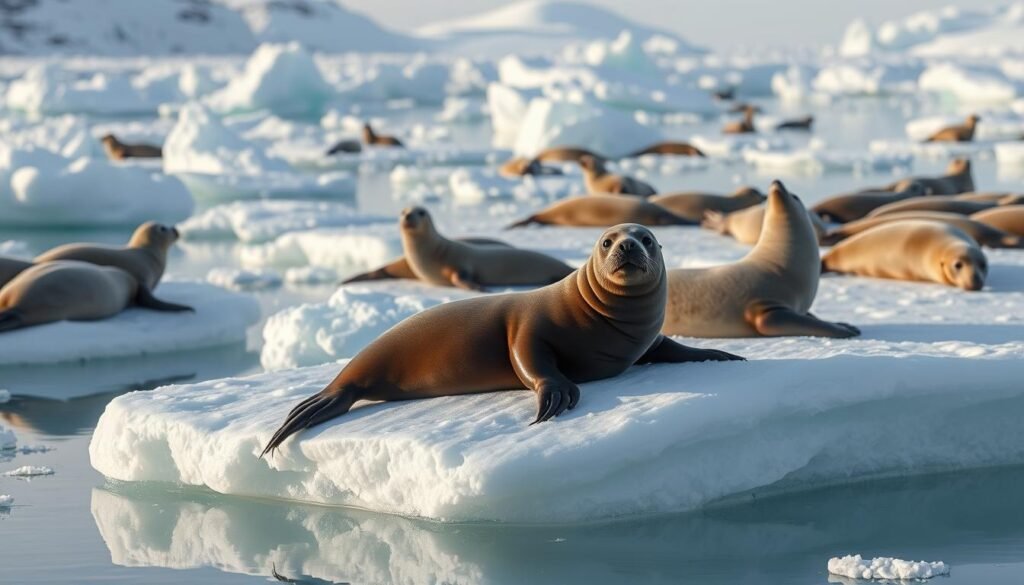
x,y
540,26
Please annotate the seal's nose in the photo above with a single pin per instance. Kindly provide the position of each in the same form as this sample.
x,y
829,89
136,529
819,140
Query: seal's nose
x,y
628,245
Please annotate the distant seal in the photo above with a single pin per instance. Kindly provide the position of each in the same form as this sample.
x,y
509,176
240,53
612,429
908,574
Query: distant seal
x,y
915,250
442,262
944,203
796,124
345,146
117,150
767,293
593,324
520,166
853,206
693,205
984,234
372,138
744,126
725,93
399,268
745,225
668,148
145,256
958,179
961,133
11,267
603,211
74,291
1009,218
598,180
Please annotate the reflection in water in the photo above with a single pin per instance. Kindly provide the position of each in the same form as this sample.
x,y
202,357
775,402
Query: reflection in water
x,y
775,538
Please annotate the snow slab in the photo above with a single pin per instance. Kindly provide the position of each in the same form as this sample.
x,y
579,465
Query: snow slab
x,y
221,318
261,221
51,89
612,133
478,186
884,568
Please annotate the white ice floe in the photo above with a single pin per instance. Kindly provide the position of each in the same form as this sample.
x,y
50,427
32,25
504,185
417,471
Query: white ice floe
x,y
1010,154
812,161
261,221
612,133
5,396
6,501
221,318
8,440
342,249
925,31
29,471
978,35
736,144
310,275
931,150
51,89
462,110
973,84
16,249
242,279
866,77
477,186
795,84
885,568
420,80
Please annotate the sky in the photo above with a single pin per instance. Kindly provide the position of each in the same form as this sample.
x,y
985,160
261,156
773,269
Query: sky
x,y
716,24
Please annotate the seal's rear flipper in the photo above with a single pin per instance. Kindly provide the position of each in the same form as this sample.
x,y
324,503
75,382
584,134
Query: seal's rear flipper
x,y
397,269
521,223
145,299
11,320
715,221
327,404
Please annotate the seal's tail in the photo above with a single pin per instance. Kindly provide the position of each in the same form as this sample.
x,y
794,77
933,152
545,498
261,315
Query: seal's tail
x,y
11,320
321,407
523,222
379,274
715,221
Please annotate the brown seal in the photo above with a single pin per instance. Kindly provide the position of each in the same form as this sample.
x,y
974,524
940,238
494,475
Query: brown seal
x,y
345,146
72,290
796,124
399,268
437,260
744,126
1009,218
944,203
117,150
1000,198
520,165
914,250
957,180
769,292
985,235
694,205
962,133
603,211
11,267
145,256
745,225
668,148
372,138
593,324
597,180
853,206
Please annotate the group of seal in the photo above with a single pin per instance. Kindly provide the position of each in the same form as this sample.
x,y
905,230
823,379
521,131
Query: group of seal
x,y
86,281
369,138
746,124
521,166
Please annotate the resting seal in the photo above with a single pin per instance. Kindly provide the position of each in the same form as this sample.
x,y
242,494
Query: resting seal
x,y
985,235
400,268
597,179
669,147
745,225
593,324
71,290
957,180
796,124
372,138
145,256
912,250
603,211
744,126
1009,218
520,165
117,150
443,262
11,267
694,205
944,203
962,133
348,145
769,292
853,206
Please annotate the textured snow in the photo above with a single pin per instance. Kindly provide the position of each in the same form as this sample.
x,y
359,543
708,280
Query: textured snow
x,y
29,471
50,89
261,221
885,568
344,250
241,279
555,123
221,318
477,186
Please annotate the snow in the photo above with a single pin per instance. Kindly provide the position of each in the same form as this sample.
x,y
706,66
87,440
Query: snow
x,y
866,77
341,249
972,84
50,89
310,275
221,318
262,221
241,279
991,127
16,249
1010,154
610,132
478,186
882,568
29,471
727,145
280,78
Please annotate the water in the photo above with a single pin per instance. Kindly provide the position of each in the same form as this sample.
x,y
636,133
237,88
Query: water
x,y
74,527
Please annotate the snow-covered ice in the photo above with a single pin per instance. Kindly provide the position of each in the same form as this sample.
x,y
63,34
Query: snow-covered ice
x,y
885,568
812,161
5,396
610,132
241,279
261,221
280,78
477,186
29,471
342,249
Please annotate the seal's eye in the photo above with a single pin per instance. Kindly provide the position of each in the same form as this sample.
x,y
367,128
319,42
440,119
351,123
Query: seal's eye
x,y
607,243
647,241
163,228
958,265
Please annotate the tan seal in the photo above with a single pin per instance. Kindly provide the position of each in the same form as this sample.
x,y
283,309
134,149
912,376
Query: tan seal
x,y
693,205
399,268
145,256
767,293
1000,198
804,123
944,203
915,250
958,179
745,225
1009,218
598,180
744,126
985,235
853,206
437,260
603,211
668,148
372,138
74,291
961,133
117,150
593,324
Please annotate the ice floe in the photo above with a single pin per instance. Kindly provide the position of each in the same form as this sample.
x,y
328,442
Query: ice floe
x,y
885,568
6,501
241,279
27,471
557,123
811,161
342,249
261,221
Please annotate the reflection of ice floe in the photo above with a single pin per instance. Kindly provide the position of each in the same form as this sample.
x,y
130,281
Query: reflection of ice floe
x,y
260,221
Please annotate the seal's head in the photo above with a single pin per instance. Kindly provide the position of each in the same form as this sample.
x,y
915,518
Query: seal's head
x,y
749,193
973,119
368,134
154,235
591,164
780,200
965,266
415,221
959,166
109,140
627,258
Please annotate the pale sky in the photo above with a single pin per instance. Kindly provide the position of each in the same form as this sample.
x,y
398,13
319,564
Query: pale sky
x,y
713,23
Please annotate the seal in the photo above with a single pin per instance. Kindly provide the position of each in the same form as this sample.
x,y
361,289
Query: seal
x,y
853,206
985,235
593,324
695,204
957,180
399,268
796,124
597,179
767,293
74,291
520,165
117,150
145,256
915,250
1000,198
1009,218
11,267
944,203
442,262
603,211
744,126
345,146
961,133
372,138
745,225
668,148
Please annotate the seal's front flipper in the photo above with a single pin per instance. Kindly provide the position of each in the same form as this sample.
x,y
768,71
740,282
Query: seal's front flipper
x,y
11,320
783,322
145,299
462,279
321,407
534,364
668,351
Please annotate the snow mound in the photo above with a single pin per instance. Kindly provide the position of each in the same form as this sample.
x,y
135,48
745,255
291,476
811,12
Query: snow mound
x,y
341,249
968,84
29,471
610,132
262,221
813,161
240,279
919,30
280,78
887,568
221,318
866,77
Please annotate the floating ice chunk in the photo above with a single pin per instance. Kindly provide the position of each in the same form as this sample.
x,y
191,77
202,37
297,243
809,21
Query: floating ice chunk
x,y
1010,153
310,275
858,40
968,84
262,221
29,471
281,78
468,77
5,396
795,84
67,135
200,143
557,123
866,78
8,440
624,52
991,127
221,318
508,107
344,250
885,568
50,89
241,279
6,501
